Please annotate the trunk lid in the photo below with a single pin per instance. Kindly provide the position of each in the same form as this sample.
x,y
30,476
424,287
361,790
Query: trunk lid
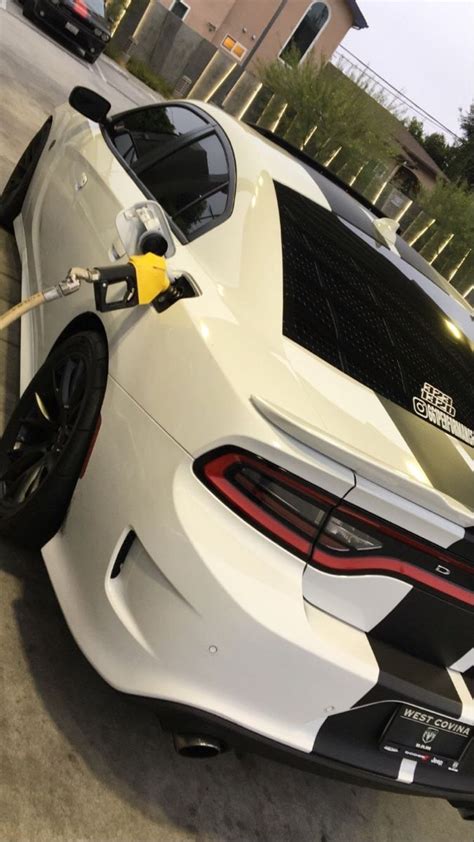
x,y
386,358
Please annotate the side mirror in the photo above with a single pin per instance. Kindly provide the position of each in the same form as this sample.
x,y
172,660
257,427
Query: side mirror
x,y
90,104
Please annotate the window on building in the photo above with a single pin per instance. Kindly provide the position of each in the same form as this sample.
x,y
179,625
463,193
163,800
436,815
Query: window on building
x,y
233,46
308,29
179,9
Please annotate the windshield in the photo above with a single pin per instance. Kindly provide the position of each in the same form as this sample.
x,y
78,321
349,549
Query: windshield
x,y
96,6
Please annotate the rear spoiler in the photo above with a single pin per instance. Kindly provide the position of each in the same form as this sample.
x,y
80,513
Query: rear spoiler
x,y
363,465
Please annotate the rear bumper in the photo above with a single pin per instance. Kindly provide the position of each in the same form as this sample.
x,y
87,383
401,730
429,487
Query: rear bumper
x,y
179,718
207,617
57,17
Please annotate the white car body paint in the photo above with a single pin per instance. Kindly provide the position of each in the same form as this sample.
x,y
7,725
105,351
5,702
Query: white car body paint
x,y
465,696
362,601
209,612
356,454
407,771
464,663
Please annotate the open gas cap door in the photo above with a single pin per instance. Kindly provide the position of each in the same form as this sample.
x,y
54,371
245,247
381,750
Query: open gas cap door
x,y
143,227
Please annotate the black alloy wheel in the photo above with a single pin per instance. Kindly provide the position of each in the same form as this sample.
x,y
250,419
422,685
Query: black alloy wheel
x,y
14,192
48,439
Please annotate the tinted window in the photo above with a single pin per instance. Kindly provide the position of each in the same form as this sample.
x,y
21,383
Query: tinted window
x,y
199,214
191,184
352,307
140,132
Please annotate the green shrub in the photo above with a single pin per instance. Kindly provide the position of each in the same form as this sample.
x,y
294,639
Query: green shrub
x,y
336,111
112,51
452,206
143,72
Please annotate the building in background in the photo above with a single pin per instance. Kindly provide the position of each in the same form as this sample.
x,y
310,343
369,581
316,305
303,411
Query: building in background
x,y
183,39
249,30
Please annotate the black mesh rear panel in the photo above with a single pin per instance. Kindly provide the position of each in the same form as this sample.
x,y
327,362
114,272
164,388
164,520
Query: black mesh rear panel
x,y
349,305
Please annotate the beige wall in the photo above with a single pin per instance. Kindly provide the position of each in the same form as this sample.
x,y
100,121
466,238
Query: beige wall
x,y
205,12
230,17
339,23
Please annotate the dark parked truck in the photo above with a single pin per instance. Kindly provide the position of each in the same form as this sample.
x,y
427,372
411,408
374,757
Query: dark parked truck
x,y
80,23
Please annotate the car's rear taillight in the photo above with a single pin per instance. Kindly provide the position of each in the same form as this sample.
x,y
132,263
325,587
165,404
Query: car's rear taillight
x,y
353,542
276,502
343,537
330,534
80,8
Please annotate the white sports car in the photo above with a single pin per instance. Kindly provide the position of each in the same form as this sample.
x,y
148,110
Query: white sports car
x,y
256,502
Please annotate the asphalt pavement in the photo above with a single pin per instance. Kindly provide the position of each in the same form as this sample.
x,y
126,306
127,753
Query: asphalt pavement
x,y
78,761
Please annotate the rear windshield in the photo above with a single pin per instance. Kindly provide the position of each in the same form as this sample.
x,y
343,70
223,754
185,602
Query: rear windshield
x,y
350,306
96,6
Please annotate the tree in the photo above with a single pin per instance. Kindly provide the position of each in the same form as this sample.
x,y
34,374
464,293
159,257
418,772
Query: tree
x,y
462,163
467,123
439,149
435,144
336,111
416,128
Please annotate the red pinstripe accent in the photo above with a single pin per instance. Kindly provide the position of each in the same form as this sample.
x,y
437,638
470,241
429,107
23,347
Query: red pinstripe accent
x,y
383,565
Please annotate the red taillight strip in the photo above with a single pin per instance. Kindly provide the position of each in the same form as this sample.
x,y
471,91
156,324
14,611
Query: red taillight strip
x,y
80,8
226,460
213,473
217,474
400,535
382,564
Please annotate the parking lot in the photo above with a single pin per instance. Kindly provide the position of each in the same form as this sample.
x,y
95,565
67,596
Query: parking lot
x,y
78,760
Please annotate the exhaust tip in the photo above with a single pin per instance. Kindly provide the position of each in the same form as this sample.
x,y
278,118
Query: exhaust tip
x,y
197,746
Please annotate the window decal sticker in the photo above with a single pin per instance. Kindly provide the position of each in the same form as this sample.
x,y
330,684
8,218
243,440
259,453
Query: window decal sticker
x,y
435,406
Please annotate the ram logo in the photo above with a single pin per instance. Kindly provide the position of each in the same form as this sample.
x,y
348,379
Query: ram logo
x,y
429,735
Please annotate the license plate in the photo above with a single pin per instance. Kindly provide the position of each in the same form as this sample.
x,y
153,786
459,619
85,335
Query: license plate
x,y
427,737
71,28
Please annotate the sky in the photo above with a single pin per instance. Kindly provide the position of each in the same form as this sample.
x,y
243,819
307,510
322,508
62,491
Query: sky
x,y
423,47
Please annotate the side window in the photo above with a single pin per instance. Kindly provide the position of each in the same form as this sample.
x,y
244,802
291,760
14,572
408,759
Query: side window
x,y
191,183
146,130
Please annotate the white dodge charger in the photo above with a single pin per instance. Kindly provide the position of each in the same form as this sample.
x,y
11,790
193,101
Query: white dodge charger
x,y
255,499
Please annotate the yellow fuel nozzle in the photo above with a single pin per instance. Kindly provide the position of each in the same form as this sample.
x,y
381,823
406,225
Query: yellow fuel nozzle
x,y
151,276
145,277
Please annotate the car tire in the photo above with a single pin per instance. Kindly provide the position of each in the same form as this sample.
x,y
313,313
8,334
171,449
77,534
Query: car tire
x,y
91,58
14,192
48,438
